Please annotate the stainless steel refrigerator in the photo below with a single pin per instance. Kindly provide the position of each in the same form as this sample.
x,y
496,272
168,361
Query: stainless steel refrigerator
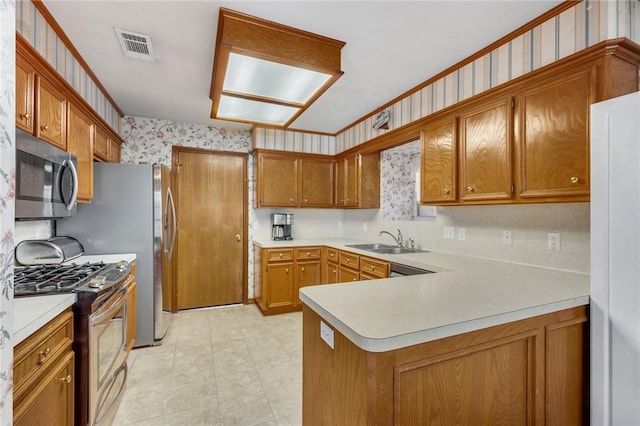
x,y
133,212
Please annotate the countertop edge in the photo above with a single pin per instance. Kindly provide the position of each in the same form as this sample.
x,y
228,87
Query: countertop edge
x,y
48,312
424,336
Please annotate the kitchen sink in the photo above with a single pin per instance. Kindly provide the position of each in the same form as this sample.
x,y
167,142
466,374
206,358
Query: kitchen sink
x,y
385,248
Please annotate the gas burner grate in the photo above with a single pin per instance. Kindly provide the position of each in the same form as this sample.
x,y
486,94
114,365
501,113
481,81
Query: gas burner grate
x,y
46,279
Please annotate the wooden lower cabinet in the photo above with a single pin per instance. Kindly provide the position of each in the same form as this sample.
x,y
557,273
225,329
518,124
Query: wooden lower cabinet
x,y
279,274
330,266
44,375
528,372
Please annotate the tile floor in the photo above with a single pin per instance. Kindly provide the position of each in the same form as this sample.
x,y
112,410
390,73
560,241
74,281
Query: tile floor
x,y
224,366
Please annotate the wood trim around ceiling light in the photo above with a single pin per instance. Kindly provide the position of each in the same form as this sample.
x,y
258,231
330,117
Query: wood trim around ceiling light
x,y
67,42
567,4
262,39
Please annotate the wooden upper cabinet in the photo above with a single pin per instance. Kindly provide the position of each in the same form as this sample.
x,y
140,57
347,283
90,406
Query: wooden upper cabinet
x,y
438,173
80,131
553,139
114,152
485,151
277,180
316,182
25,80
51,108
101,144
358,181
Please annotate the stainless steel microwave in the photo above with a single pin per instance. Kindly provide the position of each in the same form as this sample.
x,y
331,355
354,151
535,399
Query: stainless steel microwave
x,y
46,180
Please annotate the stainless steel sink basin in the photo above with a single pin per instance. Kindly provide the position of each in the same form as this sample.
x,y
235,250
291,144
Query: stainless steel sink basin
x,y
386,248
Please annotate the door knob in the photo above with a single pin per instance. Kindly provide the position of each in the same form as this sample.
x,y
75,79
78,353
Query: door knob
x,y
238,237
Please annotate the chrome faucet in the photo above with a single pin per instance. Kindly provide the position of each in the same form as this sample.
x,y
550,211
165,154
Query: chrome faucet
x,y
398,240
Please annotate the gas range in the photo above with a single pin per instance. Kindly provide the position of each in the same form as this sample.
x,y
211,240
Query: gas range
x,y
68,278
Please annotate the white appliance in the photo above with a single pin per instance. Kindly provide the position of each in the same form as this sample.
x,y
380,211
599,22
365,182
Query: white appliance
x,y
133,212
615,261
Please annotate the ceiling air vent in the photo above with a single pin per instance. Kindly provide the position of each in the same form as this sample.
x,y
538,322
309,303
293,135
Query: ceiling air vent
x,y
135,46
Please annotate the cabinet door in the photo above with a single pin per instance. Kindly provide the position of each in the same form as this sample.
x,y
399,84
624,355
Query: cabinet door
x,y
485,157
346,275
114,152
277,180
51,112
101,144
330,273
308,273
316,183
80,143
341,181
279,286
438,173
24,96
554,136
51,401
351,181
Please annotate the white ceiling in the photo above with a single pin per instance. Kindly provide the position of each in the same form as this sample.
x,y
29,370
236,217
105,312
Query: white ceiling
x,y
391,47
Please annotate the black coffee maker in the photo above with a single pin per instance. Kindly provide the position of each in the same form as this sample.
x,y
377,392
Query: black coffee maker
x,y
281,226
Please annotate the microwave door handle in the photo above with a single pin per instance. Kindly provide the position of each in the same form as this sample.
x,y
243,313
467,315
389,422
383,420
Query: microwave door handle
x,y
175,222
74,194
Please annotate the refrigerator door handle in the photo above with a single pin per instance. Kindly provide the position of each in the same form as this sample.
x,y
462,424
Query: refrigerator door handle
x,y
175,222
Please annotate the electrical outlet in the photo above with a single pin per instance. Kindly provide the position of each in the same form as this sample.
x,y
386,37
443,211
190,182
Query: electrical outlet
x,y
507,239
553,241
448,232
461,234
326,334
364,225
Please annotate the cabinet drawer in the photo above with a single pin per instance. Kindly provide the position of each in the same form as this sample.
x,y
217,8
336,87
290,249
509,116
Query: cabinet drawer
x,y
37,352
374,267
332,255
349,259
346,275
304,253
274,255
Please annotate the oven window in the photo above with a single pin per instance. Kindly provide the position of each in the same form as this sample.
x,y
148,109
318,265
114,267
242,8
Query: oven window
x,y
110,345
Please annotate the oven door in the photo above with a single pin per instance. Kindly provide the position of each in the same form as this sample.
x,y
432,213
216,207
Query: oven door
x,y
108,355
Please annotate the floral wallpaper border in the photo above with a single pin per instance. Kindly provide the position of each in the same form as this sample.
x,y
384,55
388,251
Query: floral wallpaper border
x,y
7,195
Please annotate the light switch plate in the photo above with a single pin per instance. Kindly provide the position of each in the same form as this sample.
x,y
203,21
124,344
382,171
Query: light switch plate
x,y
461,234
448,232
326,333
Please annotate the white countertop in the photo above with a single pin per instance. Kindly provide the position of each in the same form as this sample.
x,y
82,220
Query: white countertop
x,y
466,294
30,313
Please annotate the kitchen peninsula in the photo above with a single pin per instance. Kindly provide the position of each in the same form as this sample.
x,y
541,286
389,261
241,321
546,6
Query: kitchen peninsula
x,y
478,342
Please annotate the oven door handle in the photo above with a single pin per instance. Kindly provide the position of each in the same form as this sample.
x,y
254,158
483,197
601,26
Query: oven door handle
x,y
110,308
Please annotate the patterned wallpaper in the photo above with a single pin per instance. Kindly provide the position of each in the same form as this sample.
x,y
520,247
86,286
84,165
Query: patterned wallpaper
x,y
7,194
150,140
37,31
288,140
398,181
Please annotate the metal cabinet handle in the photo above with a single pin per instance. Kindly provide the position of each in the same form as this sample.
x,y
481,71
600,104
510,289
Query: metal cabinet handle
x,y
42,355
306,200
373,268
291,200
66,379
25,116
280,255
238,237
45,127
574,179
302,269
447,190
334,271
308,254
470,189
286,270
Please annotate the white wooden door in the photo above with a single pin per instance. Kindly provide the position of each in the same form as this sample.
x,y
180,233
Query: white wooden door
x,y
615,261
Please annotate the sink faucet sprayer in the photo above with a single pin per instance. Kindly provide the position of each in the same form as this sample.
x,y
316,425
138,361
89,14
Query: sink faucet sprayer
x,y
398,240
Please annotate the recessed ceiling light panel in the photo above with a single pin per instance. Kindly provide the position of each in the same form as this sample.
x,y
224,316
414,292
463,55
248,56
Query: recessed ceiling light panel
x,y
240,109
272,80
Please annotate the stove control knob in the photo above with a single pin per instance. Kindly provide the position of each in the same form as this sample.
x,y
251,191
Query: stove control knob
x,y
97,281
122,265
